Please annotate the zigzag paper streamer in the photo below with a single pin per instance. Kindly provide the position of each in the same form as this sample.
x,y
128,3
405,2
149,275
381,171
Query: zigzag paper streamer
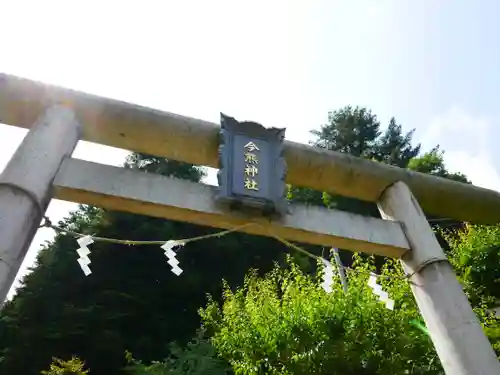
x,y
328,273
84,253
382,295
171,255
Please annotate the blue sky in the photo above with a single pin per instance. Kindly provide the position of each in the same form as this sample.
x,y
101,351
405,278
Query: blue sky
x,y
431,63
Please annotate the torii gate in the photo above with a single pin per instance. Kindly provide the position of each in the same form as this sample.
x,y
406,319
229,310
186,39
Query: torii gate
x,y
57,118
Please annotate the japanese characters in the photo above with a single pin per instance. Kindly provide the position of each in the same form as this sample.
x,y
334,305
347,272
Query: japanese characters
x,y
251,166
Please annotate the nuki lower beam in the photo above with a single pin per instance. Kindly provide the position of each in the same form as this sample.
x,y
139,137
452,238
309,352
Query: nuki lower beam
x,y
167,197
132,127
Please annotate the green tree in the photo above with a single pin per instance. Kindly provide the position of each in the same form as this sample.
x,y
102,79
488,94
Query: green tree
x,y
74,366
350,130
284,323
357,131
476,257
395,148
198,357
432,162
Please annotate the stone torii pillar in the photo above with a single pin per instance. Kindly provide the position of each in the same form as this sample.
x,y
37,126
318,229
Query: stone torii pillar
x,y
456,333
26,184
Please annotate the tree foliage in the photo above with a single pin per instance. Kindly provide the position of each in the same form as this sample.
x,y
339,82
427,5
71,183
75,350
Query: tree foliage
x,y
432,162
198,357
285,324
357,131
74,366
476,255
395,148
350,130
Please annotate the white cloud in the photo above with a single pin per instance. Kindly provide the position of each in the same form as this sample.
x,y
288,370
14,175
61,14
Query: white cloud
x,y
465,138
